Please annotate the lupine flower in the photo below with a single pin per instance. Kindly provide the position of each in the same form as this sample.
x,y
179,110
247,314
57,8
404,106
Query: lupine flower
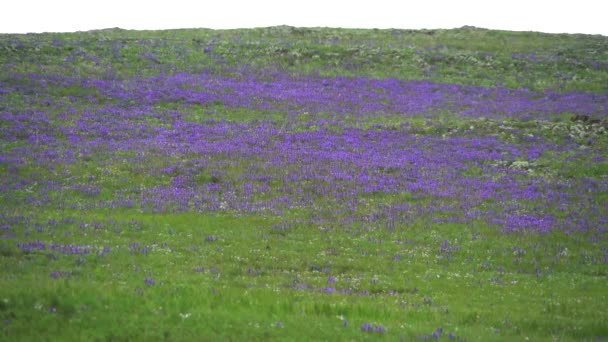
x,y
372,328
60,274
31,246
211,238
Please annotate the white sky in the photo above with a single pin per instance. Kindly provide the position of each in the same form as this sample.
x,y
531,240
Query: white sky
x,y
556,16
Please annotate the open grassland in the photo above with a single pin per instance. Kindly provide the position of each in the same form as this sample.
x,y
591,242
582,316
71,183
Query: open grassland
x,y
303,184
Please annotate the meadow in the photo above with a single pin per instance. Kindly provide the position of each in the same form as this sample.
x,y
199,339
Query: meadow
x,y
303,184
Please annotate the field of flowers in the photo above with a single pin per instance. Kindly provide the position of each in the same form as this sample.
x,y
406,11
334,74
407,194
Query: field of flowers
x,y
303,184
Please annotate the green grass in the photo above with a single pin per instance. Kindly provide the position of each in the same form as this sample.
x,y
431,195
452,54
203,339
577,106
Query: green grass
x,y
466,55
258,280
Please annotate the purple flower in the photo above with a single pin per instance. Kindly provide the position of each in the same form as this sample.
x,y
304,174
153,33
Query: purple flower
x,y
31,246
136,247
328,290
59,274
372,328
366,327
149,281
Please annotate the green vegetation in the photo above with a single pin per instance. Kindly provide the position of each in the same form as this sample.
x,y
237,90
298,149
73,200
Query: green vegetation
x,y
468,55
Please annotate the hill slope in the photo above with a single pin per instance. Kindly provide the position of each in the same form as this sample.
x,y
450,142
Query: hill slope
x,y
303,184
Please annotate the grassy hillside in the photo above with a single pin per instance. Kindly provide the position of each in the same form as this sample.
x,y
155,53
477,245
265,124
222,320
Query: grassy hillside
x,y
303,184
467,55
